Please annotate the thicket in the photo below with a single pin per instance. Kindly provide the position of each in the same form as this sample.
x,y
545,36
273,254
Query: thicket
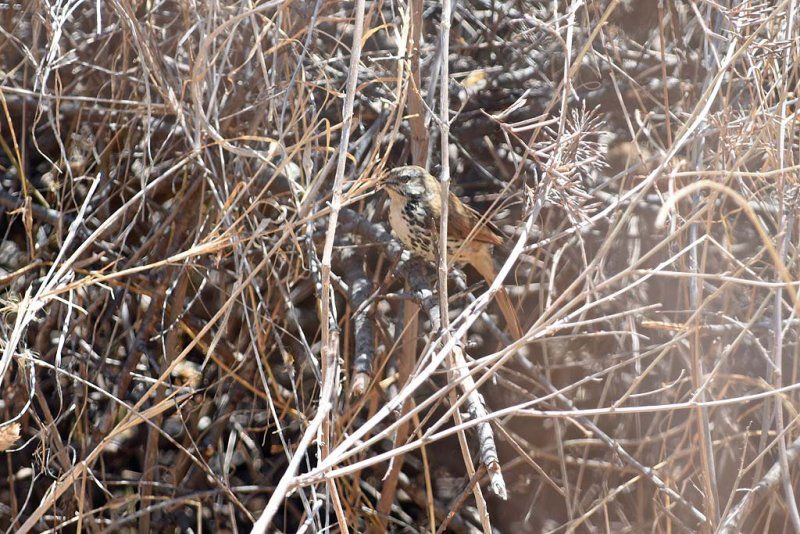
x,y
207,325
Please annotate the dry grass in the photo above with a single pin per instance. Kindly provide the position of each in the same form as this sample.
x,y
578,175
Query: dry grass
x,y
208,328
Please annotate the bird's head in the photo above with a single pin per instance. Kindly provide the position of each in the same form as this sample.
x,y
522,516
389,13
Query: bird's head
x,y
409,181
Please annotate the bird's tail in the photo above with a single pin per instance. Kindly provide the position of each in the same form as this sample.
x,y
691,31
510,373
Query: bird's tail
x,y
509,313
485,266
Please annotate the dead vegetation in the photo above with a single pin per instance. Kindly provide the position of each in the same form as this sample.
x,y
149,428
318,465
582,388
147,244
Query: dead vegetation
x,y
208,327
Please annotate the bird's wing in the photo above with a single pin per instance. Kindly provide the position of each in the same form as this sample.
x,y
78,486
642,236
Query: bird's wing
x,y
461,219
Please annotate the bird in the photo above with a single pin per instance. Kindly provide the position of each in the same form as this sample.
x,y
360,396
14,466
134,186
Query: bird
x,y
415,211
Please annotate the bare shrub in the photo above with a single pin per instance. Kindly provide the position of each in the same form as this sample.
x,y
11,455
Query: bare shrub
x,y
208,326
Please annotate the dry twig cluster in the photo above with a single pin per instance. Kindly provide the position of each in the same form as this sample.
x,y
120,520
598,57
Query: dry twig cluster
x,y
208,326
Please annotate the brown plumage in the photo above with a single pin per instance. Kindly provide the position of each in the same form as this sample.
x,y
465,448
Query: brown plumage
x,y
415,214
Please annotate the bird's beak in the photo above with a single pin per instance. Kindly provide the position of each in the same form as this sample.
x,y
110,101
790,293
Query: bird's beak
x,y
389,180
366,184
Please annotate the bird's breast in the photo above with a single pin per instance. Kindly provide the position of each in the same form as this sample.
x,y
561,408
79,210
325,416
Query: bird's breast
x,y
414,226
